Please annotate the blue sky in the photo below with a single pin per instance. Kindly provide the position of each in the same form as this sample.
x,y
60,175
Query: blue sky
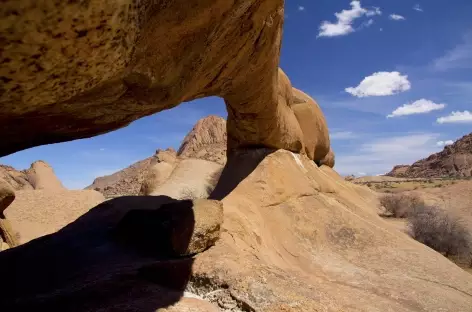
x,y
394,79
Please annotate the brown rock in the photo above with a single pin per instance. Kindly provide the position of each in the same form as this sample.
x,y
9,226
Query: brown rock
x,y
73,71
42,177
207,140
398,171
129,180
155,176
204,229
18,180
177,228
190,305
190,179
453,161
302,240
329,159
313,124
7,195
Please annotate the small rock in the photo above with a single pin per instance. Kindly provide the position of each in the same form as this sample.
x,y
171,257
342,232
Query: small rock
x,y
190,305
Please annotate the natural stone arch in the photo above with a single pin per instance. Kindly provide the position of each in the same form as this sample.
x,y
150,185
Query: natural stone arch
x,y
75,70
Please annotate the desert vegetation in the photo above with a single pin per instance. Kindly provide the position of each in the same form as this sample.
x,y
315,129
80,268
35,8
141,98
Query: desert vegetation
x,y
436,228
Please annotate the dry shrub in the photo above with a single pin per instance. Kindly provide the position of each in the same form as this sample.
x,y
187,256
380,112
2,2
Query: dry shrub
x,y
398,206
439,230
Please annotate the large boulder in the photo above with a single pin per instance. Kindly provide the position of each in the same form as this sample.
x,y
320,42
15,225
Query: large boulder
x,y
313,124
190,179
329,159
156,175
302,240
7,235
40,212
42,177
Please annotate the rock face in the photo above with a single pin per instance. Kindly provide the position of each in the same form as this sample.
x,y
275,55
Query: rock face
x,y
74,70
7,195
18,180
453,161
329,159
304,240
398,171
36,213
129,180
42,177
207,140
313,124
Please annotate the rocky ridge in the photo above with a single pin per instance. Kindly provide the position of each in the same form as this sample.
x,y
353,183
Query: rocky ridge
x,y
454,161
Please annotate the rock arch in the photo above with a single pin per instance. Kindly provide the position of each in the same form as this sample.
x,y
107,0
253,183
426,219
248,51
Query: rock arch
x,y
73,70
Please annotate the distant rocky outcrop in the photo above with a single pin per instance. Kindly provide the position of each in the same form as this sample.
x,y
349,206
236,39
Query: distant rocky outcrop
x,y
453,161
398,171
207,140
129,180
39,176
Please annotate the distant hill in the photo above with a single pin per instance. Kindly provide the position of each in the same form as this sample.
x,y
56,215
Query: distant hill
x,y
453,161
207,140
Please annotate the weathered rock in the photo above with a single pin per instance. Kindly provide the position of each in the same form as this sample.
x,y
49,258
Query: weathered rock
x,y
453,161
313,124
178,228
40,212
398,171
207,140
7,195
42,177
7,235
329,159
129,180
17,179
190,305
302,240
190,179
73,70
156,175
203,227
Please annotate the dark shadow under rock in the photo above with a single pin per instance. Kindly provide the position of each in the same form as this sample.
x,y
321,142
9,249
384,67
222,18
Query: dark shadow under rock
x,y
84,268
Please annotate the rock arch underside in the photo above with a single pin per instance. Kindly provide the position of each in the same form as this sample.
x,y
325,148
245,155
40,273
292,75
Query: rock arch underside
x,y
279,230
77,69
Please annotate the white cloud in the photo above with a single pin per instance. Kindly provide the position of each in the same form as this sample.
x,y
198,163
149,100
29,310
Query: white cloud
x,y
444,143
381,29
381,84
417,7
381,154
345,18
422,106
102,149
301,8
342,135
456,117
460,57
396,17
368,23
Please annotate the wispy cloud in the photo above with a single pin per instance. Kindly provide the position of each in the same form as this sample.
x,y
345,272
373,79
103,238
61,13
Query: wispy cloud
x,y
418,8
396,17
459,57
422,106
456,117
382,153
301,8
345,19
381,84
342,135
